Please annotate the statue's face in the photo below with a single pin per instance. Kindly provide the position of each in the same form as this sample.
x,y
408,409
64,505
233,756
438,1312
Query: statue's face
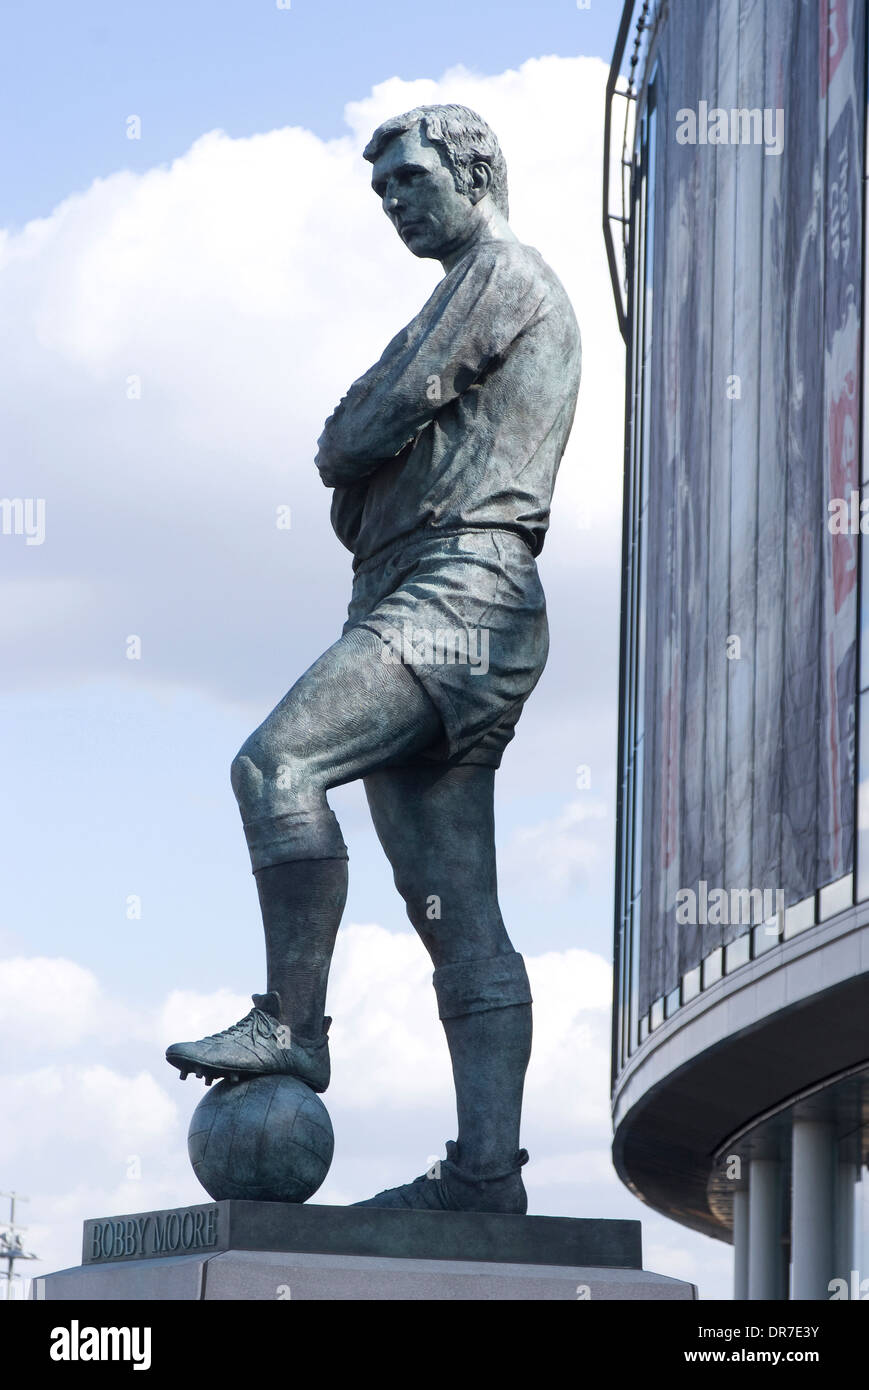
x,y
420,197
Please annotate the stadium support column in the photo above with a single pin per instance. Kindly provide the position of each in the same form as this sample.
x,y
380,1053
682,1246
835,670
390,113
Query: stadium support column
x,y
740,1244
848,1175
813,1225
764,1230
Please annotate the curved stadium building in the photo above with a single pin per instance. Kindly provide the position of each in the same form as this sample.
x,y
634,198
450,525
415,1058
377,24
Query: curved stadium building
x,y
734,217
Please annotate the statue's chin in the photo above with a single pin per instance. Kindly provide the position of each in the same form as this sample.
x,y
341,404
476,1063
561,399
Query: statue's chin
x,y
419,242
423,248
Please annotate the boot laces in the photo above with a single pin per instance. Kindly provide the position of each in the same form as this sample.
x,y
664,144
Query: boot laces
x,y
255,1020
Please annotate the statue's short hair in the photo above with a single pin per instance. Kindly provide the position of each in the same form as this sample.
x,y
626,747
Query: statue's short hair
x,y
464,137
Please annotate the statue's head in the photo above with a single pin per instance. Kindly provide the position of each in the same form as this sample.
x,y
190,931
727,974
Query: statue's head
x,y
438,170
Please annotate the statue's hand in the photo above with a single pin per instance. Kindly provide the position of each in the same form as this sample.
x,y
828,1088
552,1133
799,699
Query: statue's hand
x,y
338,461
346,515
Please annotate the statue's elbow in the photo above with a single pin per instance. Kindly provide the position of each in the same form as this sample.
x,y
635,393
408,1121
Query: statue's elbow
x,y
327,474
334,468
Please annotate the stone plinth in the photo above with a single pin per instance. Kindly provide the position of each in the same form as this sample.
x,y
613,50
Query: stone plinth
x,y
270,1251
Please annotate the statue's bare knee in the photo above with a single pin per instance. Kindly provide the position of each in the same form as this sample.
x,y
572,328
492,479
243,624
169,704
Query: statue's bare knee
x,y
272,775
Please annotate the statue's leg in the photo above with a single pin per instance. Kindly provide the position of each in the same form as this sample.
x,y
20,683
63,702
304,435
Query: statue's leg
x,y
346,715
437,829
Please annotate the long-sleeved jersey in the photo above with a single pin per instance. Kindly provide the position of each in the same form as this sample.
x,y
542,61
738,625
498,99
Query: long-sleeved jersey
x,y
463,422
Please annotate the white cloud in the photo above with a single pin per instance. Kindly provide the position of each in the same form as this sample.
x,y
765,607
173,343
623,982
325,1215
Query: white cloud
x,y
47,1002
387,1044
120,1114
389,1048
588,1166
560,853
705,1262
187,1015
567,1087
245,286
51,1005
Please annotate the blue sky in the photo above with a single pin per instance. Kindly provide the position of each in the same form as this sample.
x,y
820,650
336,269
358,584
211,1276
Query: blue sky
x,y
243,279
71,74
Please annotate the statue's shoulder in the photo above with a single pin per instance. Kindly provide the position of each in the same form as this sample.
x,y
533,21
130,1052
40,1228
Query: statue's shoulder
x,y
524,262
526,267
512,262
513,285
509,256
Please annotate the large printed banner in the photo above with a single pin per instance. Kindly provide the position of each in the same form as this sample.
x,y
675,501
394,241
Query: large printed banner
x,y
753,387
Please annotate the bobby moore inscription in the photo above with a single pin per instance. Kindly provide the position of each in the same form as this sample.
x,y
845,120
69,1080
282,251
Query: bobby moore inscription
x,y
152,1234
